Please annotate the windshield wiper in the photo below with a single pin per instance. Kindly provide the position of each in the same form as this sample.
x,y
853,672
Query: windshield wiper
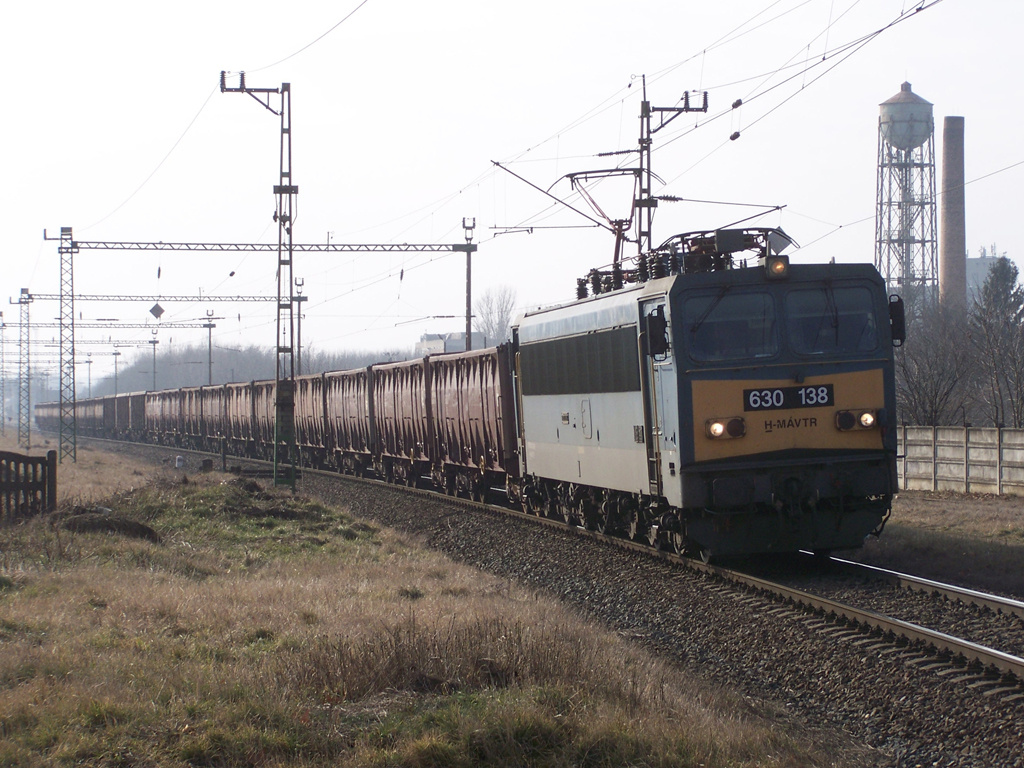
x,y
711,308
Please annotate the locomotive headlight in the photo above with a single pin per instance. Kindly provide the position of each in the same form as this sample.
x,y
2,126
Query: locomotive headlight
x,y
847,420
776,267
732,427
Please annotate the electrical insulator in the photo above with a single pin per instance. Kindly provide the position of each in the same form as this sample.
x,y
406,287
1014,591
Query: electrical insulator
x,y
657,267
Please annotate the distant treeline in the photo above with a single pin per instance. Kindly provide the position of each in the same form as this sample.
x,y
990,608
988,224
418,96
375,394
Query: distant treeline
x,y
188,366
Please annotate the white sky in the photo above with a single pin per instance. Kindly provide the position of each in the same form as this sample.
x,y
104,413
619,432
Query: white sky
x,y
114,125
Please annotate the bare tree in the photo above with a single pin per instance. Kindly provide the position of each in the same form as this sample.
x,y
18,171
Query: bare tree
x,y
934,369
493,312
997,323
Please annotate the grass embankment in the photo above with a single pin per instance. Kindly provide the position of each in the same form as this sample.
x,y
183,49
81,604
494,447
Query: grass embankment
x,y
220,624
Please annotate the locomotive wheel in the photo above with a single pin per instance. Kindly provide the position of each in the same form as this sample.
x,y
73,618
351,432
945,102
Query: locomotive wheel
x,y
551,509
635,529
676,542
590,516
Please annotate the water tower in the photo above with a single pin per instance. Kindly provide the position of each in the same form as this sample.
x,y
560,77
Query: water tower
x,y
905,231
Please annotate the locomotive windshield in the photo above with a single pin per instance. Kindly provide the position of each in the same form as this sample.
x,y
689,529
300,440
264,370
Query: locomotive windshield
x,y
826,320
731,326
831,320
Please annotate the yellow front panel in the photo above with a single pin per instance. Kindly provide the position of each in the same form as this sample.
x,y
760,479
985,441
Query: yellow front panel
x,y
784,429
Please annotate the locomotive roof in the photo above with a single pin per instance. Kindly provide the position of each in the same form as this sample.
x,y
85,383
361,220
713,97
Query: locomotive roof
x,y
619,308
596,313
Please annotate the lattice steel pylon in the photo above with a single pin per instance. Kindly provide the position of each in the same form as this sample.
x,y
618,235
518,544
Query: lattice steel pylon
x,y
906,250
284,406
68,428
3,376
646,202
24,374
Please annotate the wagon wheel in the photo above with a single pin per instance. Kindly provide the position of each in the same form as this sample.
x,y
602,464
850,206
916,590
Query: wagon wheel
x,y
480,489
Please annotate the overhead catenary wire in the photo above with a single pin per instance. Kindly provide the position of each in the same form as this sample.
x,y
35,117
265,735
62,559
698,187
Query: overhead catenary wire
x,y
310,44
939,193
849,49
158,165
550,211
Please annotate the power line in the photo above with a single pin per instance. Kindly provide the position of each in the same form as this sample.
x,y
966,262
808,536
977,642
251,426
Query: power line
x,y
314,42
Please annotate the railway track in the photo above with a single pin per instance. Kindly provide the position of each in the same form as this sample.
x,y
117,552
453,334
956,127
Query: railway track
x,y
994,603
995,672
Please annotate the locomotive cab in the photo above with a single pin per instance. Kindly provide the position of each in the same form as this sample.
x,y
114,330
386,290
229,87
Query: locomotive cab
x,y
789,389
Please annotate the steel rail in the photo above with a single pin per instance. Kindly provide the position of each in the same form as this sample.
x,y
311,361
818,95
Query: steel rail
x,y
987,657
994,603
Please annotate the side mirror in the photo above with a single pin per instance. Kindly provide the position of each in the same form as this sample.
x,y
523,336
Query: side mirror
x,y
897,321
657,332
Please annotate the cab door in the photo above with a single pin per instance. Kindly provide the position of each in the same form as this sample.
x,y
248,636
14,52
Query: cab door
x,y
659,393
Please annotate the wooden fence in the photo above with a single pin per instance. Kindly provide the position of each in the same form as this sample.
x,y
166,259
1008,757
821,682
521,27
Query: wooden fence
x,y
28,485
962,459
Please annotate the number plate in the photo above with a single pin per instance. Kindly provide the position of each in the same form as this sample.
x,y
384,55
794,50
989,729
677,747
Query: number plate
x,y
779,398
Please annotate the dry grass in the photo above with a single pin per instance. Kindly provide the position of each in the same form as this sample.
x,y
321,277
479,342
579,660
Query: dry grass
x,y
95,475
265,630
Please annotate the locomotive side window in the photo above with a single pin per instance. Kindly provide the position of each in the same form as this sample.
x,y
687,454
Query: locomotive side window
x,y
831,320
730,326
605,361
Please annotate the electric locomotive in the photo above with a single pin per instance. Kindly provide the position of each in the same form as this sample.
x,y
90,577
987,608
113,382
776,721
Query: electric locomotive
x,y
714,407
